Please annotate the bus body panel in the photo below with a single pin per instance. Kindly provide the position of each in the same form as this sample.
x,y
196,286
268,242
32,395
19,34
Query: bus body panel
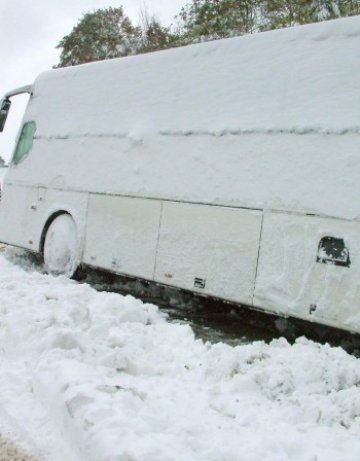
x,y
35,207
293,280
17,215
209,249
122,234
312,173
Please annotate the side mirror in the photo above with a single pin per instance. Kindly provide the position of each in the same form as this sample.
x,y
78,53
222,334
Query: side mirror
x,y
4,110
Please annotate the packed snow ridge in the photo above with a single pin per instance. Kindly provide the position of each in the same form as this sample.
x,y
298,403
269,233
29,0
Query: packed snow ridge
x,y
90,376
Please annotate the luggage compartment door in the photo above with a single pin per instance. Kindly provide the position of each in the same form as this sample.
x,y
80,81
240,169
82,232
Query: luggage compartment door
x,y
309,267
209,249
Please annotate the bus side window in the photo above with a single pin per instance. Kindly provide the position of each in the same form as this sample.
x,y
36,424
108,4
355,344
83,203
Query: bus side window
x,y
332,250
25,142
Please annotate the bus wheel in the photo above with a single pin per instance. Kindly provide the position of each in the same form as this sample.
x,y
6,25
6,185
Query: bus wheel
x,y
60,249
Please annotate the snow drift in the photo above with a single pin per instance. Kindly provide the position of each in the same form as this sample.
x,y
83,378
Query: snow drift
x,y
89,376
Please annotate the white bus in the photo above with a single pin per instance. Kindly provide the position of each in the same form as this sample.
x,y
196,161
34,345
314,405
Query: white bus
x,y
228,168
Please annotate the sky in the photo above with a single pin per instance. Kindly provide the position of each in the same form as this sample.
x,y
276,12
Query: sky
x,y
29,33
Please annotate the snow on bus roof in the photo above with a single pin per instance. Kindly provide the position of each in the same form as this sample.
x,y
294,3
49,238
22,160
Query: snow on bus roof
x,y
303,79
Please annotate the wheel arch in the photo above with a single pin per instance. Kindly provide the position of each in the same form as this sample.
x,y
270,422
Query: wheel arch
x,y
46,226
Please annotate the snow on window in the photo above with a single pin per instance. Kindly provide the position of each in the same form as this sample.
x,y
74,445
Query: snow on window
x,y
25,142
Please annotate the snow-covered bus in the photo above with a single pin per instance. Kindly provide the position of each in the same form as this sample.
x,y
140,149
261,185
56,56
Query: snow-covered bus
x,y
228,168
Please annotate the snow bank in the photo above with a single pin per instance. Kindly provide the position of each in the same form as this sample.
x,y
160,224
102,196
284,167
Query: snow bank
x,y
100,377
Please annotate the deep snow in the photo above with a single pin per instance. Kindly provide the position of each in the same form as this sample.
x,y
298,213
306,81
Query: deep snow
x,y
97,376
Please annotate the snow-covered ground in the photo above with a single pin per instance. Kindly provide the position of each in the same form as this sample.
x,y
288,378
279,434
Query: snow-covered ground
x,y
90,376
10,452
